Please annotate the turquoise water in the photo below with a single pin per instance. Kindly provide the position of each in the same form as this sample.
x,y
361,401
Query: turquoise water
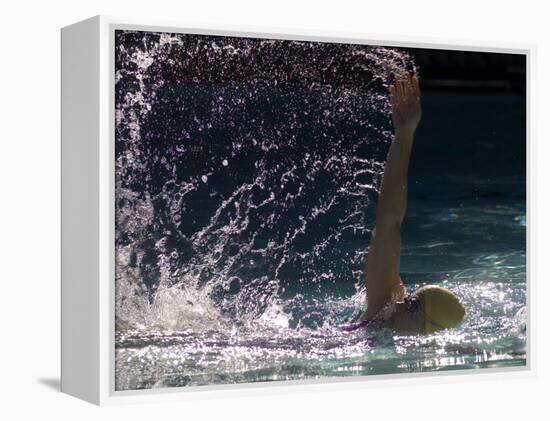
x,y
486,270
247,173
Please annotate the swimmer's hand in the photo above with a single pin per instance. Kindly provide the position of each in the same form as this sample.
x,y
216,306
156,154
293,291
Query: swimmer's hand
x,y
405,102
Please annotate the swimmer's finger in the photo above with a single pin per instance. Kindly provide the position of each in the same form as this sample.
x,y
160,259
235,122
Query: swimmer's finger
x,y
410,85
401,89
414,83
416,86
392,94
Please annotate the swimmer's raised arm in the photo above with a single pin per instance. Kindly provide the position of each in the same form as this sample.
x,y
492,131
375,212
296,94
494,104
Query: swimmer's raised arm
x,y
382,268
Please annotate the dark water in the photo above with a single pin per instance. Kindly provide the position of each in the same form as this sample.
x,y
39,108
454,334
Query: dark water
x,y
247,177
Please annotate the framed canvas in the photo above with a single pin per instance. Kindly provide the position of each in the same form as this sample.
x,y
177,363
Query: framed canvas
x,y
244,209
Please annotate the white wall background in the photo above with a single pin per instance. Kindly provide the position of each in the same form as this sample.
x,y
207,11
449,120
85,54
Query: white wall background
x,y
30,194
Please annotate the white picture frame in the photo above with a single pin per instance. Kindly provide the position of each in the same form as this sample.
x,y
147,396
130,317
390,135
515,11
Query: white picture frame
x,y
87,341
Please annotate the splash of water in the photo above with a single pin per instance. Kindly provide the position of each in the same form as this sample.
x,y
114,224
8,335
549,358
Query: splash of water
x,y
244,175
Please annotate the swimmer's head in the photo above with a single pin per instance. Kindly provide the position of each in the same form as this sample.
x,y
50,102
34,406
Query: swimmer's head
x,y
429,309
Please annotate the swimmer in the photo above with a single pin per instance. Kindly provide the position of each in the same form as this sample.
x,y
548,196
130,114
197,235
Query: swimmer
x,y
430,308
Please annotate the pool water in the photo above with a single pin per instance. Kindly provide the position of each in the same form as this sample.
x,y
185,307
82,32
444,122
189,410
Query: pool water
x,y
480,256
247,178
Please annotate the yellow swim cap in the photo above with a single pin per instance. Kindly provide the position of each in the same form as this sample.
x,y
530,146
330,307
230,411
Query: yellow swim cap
x,y
441,308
